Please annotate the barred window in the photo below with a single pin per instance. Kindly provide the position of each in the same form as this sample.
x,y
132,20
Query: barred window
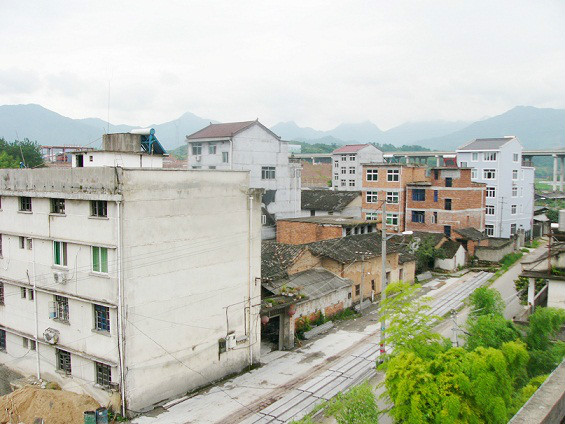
x,y
25,204
372,197
268,173
58,206
103,374
101,318
64,361
99,208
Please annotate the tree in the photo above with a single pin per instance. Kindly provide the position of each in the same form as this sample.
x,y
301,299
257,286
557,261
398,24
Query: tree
x,y
490,331
7,161
26,151
358,406
427,254
545,323
486,301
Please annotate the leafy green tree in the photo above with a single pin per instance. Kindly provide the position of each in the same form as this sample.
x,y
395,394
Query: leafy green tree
x,y
490,331
545,323
522,284
427,254
486,301
7,161
31,152
358,406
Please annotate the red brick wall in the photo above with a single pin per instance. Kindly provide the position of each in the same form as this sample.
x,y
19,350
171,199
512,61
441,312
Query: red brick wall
x,y
293,232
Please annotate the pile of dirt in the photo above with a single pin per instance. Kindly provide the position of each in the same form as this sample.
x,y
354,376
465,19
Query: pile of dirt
x,y
54,406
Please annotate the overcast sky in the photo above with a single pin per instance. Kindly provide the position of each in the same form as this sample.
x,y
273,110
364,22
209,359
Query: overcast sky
x,y
318,63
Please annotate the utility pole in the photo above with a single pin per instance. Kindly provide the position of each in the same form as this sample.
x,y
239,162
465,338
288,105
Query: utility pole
x,y
383,277
362,280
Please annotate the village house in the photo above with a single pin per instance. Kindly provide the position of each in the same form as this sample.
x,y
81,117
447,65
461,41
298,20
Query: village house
x,y
348,165
314,228
99,264
331,202
250,146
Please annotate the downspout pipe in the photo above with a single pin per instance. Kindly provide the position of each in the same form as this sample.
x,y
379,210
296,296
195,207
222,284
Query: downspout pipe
x,y
249,282
121,311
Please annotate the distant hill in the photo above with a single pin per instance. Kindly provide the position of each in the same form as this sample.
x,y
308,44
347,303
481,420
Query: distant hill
x,y
534,127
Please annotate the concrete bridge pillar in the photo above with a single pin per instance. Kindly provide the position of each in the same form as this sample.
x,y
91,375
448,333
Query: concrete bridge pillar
x,y
407,158
555,169
438,160
562,185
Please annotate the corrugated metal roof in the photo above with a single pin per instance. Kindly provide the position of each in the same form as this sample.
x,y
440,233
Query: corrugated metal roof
x,y
350,148
486,143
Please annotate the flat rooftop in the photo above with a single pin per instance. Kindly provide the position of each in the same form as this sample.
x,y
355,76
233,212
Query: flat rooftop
x,y
330,220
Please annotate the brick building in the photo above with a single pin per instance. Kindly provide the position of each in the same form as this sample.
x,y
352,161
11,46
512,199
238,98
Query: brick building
x,y
387,181
317,228
446,200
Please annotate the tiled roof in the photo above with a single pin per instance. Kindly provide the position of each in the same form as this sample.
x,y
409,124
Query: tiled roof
x,y
226,130
314,283
487,143
470,233
350,148
327,200
450,248
276,258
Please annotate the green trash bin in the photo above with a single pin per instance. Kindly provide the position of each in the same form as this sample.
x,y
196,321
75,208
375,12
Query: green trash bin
x,y
89,417
102,416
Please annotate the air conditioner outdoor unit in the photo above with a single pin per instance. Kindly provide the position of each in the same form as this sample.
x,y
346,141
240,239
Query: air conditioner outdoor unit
x,y
51,336
230,341
198,158
60,277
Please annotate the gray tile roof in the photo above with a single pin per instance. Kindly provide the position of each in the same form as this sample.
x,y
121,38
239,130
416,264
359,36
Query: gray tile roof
x,y
486,143
450,248
327,200
276,258
314,283
470,233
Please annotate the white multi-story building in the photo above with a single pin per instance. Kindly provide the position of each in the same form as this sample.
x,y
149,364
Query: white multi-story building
x,y
497,162
122,280
347,169
250,146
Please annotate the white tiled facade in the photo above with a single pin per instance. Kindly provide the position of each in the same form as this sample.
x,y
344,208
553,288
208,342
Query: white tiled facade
x,y
347,168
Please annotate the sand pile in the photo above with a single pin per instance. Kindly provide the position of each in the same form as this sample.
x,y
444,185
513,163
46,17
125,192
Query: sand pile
x,y
54,406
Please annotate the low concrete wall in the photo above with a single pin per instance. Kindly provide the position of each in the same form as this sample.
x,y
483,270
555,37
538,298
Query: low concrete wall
x,y
547,404
496,251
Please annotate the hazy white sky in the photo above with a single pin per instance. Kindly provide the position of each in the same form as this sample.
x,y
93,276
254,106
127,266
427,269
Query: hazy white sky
x,y
318,63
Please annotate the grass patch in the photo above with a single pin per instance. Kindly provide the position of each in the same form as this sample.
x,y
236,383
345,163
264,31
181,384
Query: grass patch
x,y
534,244
345,314
505,263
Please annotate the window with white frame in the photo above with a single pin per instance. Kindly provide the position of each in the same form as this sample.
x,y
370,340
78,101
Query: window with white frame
x,y
463,165
225,157
516,157
351,157
336,177
352,170
101,318
268,173
344,170
372,174
513,209
343,157
391,218
489,230
99,259
512,229
475,157
489,174
263,219
489,210
196,149
434,218
514,174
60,308
60,253
514,191
212,148
393,175
351,183
490,156
491,192
336,163
371,216
474,173
392,197
372,197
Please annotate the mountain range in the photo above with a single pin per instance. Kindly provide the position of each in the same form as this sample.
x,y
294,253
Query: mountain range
x,y
535,127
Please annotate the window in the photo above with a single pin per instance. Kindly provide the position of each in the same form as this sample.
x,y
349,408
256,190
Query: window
x,y
32,345
436,194
475,157
3,340
392,197
514,174
30,294
447,230
351,183
336,163
418,194
513,209
58,206
352,170
393,175
101,318
373,285
91,158
514,191
343,157
25,204
463,165
264,219
60,253
225,157
336,177
447,204
1,293
491,192
344,170
103,374
0,245
473,173
22,241
212,149
351,157
371,216
419,216
23,292
372,197
516,157
29,243
99,259
434,218
357,289
61,308
99,208
64,361
80,161
196,167
28,343
372,174
489,210
391,219
436,174
489,230
196,149
449,182
490,156
211,167
489,174
343,183
512,229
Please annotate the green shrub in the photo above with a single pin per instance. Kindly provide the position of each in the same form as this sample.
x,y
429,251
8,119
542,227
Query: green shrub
x,y
345,314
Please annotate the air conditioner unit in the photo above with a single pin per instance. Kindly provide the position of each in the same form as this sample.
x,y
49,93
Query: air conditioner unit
x,y
60,277
51,336
230,341
198,158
